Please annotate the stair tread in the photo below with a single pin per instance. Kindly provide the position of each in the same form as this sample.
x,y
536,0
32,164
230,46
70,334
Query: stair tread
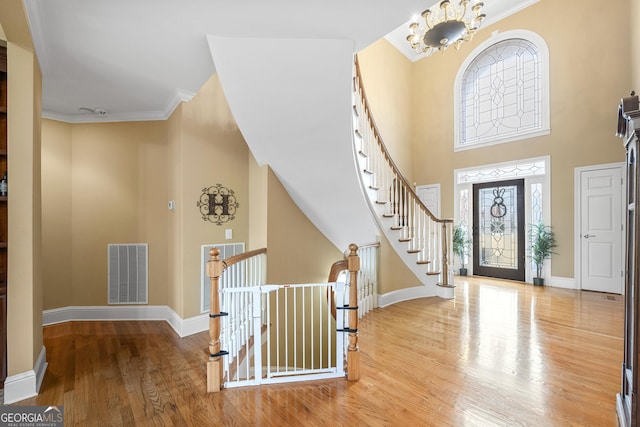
x,y
423,262
373,187
363,154
404,240
358,134
367,171
378,202
413,251
433,273
396,228
388,215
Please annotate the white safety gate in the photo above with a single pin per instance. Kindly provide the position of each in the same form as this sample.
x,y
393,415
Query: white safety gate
x,y
283,333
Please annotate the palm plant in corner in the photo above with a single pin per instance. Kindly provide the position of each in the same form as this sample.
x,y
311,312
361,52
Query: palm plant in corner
x,y
461,244
542,243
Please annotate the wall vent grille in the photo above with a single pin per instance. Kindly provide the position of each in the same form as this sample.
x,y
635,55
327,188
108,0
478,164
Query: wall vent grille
x,y
128,273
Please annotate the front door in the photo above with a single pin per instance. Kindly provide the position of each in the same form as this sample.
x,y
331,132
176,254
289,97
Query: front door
x,y
498,230
601,230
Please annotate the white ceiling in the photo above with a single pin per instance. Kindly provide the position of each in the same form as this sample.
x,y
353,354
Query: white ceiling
x,y
137,59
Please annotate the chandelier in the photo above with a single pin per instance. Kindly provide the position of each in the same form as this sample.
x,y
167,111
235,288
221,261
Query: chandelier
x,y
448,24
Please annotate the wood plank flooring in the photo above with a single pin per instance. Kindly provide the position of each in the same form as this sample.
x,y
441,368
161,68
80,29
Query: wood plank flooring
x,y
500,354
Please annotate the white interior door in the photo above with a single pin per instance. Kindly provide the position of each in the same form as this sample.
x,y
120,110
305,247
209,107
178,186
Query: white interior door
x,y
601,193
430,196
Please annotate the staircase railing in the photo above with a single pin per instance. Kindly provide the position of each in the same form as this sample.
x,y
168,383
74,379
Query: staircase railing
x,y
263,333
426,235
367,276
238,309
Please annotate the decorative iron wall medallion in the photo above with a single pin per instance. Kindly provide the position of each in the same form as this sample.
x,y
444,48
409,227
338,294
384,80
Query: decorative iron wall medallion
x,y
218,204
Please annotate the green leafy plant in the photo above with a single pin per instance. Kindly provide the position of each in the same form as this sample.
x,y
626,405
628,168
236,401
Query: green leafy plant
x,y
461,242
542,244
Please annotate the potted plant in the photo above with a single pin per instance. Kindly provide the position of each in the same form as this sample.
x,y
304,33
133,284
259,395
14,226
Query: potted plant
x,y
542,243
461,244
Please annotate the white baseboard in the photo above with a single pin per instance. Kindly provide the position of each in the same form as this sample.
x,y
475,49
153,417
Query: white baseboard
x,y
183,327
189,326
26,384
563,282
406,294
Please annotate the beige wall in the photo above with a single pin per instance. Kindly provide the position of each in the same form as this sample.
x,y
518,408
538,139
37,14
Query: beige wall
x,y
24,295
175,233
104,183
258,200
213,152
297,251
394,273
56,223
588,76
390,91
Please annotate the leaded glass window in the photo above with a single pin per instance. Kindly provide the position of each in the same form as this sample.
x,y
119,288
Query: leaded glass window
x,y
502,94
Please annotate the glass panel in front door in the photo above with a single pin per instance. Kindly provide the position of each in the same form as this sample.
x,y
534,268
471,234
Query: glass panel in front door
x,y
499,229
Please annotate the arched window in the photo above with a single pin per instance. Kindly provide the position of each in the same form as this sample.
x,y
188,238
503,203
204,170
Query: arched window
x,y
502,91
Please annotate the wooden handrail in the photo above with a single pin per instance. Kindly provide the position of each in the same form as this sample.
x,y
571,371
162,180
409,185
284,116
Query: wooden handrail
x,y
387,156
228,262
336,268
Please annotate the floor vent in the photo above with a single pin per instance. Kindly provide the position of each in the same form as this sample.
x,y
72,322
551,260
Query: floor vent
x,y
226,250
128,273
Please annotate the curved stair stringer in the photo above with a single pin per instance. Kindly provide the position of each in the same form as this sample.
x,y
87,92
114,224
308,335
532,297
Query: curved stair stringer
x,y
291,100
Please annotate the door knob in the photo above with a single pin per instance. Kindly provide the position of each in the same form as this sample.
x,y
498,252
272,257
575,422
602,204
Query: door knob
x,y
586,236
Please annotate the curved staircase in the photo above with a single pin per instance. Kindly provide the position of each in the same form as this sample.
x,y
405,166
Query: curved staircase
x,y
421,239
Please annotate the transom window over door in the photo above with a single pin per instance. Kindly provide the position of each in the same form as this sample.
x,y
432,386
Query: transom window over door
x,y
502,91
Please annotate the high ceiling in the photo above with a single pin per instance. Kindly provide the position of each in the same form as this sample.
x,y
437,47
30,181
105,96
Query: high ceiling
x,y
137,59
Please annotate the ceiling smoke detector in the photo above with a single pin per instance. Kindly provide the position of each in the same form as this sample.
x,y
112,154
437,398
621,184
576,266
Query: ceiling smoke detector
x,y
95,111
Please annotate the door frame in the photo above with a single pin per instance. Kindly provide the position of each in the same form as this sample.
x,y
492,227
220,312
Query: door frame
x,y
577,224
520,273
464,178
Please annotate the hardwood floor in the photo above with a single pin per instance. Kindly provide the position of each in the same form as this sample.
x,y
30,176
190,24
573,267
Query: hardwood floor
x,y
500,354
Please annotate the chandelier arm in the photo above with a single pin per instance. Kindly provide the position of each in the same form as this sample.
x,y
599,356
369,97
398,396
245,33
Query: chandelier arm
x,y
463,4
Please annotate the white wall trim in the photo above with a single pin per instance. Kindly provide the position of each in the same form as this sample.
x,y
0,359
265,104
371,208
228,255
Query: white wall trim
x,y
183,327
26,384
563,282
407,294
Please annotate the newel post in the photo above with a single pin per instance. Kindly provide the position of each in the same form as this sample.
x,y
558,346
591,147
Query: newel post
x,y
353,355
445,255
214,366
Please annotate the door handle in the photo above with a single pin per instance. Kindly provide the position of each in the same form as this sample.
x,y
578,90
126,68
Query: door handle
x,y
586,236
